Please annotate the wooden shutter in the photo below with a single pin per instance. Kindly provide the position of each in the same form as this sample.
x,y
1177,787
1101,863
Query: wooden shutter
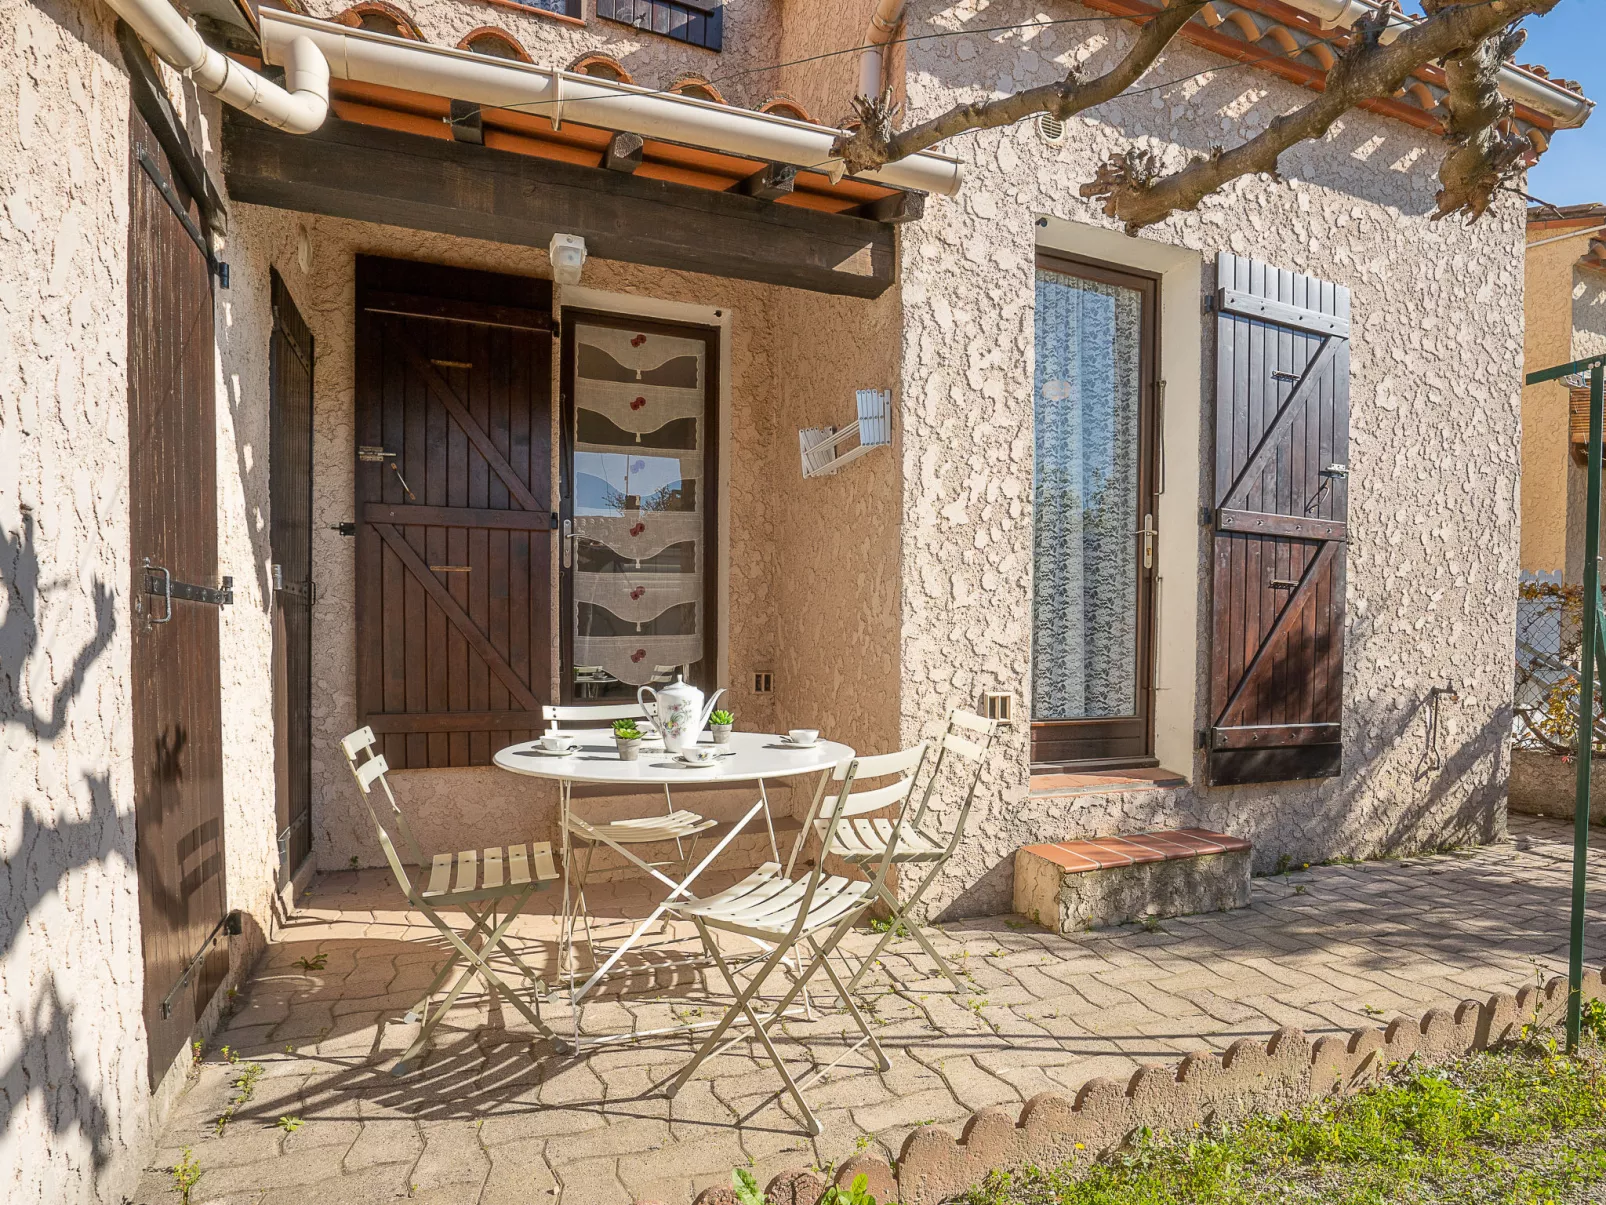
x,y
177,750
454,502
1281,507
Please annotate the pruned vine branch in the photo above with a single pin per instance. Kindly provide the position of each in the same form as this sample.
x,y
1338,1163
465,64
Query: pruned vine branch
x,y
874,143
1472,39
1469,36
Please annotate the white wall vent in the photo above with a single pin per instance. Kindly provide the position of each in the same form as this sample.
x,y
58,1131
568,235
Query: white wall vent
x,y
1051,129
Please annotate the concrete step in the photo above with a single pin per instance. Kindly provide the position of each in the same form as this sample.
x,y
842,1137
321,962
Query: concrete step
x,y
1069,886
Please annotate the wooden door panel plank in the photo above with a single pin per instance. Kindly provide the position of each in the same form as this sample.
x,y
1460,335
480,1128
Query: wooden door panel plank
x,y
471,429
420,572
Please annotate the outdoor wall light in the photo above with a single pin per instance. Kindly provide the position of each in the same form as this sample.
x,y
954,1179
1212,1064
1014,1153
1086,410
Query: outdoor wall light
x,y
568,253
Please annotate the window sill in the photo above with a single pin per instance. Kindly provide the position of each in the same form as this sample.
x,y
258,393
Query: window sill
x,y
1104,782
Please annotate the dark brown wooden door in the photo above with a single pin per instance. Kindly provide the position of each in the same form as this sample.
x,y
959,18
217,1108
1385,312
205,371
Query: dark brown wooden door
x,y
177,709
454,502
290,500
1282,504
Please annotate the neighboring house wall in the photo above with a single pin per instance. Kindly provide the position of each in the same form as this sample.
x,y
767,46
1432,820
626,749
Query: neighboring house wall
x,y
1546,452
1434,445
76,1110
1582,315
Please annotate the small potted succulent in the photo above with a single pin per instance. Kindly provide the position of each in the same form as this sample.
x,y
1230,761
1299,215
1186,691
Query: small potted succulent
x,y
627,737
720,725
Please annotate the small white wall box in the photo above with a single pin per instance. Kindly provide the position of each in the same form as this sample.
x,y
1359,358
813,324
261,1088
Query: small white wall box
x,y
998,705
822,447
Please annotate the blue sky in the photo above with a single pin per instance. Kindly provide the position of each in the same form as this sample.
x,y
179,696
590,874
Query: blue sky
x,y
1570,41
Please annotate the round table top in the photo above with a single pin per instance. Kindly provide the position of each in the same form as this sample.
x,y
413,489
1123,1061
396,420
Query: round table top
x,y
754,755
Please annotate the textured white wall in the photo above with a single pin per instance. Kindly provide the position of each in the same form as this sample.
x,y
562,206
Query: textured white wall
x,y
76,1110
1434,441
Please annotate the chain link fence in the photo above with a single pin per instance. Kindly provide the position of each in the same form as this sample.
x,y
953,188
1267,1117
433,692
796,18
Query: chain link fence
x,y
1549,629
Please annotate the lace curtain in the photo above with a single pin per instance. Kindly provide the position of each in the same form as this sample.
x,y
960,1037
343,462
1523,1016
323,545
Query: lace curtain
x,y
1085,488
639,505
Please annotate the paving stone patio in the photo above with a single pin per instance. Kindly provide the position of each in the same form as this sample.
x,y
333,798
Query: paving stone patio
x,y
497,1115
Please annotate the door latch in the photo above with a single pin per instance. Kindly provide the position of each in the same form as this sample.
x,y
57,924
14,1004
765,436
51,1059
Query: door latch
x,y
1336,470
568,543
1148,532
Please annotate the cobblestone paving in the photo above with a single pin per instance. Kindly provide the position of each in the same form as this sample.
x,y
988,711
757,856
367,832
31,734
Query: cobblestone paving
x,y
495,1115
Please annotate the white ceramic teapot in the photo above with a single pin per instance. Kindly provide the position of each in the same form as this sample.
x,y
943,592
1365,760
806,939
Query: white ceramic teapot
x,y
678,712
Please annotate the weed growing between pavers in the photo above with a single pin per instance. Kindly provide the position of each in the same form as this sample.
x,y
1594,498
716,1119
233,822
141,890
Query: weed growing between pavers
x,y
1519,1128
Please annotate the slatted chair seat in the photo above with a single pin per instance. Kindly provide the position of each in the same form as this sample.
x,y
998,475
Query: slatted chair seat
x,y
643,830
490,886
766,904
473,874
810,914
866,840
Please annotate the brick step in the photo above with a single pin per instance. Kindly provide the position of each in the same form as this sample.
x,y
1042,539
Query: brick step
x,y
1073,885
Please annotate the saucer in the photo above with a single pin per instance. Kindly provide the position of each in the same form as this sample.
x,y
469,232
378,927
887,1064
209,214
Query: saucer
x,y
791,744
545,752
696,765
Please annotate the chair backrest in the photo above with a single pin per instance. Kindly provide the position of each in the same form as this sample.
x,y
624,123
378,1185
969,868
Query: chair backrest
x,y
967,738
592,715
368,766
904,766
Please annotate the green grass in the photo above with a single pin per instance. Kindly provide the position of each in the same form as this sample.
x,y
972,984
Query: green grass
x,y
1516,1128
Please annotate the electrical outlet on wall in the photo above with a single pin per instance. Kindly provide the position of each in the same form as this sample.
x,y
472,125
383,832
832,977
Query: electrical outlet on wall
x,y
763,682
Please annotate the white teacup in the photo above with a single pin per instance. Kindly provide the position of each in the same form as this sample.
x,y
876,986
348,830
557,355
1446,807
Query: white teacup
x,y
699,755
803,736
558,742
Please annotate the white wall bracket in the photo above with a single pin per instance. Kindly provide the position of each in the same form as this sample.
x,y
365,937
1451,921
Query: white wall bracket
x,y
822,447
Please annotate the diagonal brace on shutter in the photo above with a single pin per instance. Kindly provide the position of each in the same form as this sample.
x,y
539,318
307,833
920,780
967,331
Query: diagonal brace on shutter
x,y
1297,602
1292,406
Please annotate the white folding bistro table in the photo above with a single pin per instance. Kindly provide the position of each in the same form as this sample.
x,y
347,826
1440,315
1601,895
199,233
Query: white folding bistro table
x,y
754,757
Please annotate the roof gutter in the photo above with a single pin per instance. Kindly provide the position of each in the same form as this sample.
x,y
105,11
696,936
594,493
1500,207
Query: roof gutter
x,y
371,58
299,108
1568,109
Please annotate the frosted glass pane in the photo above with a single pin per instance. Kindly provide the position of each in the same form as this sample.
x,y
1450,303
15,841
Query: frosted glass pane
x,y
1085,488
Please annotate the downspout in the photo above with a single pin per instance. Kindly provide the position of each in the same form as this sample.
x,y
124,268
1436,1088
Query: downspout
x,y
1568,108
884,24
298,108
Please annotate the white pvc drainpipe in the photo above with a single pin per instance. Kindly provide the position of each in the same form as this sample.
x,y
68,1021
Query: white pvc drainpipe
x,y
371,58
299,108
884,24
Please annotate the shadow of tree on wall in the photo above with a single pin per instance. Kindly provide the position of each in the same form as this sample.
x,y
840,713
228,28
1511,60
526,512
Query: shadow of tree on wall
x,y
42,855
19,635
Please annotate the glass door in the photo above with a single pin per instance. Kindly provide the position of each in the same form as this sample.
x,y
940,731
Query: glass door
x,y
1094,493
639,520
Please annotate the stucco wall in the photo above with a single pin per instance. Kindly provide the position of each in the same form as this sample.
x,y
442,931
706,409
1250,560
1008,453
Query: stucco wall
x,y
740,71
1583,333
1434,444
76,1109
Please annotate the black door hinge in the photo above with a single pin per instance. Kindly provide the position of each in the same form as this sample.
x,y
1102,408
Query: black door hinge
x,y
1206,516
345,529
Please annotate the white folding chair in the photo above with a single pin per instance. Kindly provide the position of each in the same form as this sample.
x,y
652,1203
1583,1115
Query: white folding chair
x,y
868,842
501,882
581,836
813,913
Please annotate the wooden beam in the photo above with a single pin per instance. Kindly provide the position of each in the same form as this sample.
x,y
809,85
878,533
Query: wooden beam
x,y
623,153
466,122
371,174
897,209
768,182
150,98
